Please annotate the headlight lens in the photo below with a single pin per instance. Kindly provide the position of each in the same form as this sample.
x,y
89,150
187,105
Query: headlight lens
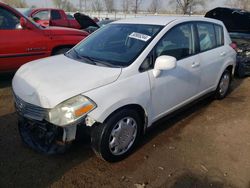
x,y
70,110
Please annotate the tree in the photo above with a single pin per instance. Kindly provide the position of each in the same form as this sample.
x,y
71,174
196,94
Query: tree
x,y
58,3
125,6
136,5
242,4
97,5
16,3
187,6
154,6
109,4
64,4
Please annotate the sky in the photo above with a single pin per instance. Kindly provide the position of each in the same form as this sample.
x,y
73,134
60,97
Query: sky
x,y
48,3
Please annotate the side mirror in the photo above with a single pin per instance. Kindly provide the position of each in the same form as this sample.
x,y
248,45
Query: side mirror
x,y
164,63
24,23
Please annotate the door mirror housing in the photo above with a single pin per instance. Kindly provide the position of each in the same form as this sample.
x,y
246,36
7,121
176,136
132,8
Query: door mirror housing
x,y
24,23
162,63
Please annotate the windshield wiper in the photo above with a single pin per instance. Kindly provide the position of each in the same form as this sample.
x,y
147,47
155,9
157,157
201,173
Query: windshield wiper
x,y
93,61
78,56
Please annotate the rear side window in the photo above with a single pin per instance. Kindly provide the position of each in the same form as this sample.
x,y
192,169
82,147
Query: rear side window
x,y
55,15
219,35
207,37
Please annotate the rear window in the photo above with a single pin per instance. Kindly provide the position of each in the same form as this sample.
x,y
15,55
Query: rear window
x,y
207,37
55,15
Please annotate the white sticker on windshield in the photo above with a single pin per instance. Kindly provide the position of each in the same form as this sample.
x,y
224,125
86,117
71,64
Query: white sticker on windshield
x,y
140,36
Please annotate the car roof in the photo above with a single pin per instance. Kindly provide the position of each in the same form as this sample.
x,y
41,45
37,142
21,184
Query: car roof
x,y
163,20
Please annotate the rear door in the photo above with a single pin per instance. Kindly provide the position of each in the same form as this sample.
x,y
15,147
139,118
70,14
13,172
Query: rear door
x,y
18,45
212,53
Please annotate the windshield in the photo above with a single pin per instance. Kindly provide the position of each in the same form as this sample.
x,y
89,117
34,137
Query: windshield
x,y
115,45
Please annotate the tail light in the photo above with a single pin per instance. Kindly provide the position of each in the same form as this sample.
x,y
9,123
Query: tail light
x,y
234,46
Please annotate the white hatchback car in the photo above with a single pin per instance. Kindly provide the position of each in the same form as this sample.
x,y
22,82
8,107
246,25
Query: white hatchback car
x,y
120,80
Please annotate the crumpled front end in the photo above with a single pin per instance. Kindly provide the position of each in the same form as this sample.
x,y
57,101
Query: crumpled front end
x,y
38,133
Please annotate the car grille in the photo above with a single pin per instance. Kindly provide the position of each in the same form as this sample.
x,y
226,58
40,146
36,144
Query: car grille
x,y
29,110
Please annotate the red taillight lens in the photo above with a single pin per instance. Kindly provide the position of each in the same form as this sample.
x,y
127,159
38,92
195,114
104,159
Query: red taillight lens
x,y
234,46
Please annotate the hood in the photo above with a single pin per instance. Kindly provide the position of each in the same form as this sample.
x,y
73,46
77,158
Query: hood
x,y
84,20
50,81
65,31
235,20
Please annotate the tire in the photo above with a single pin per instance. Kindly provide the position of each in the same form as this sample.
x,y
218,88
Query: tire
x,y
61,51
43,140
116,138
223,85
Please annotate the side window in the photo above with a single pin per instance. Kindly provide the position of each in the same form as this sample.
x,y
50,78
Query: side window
x,y
178,42
42,15
206,36
55,15
219,35
8,20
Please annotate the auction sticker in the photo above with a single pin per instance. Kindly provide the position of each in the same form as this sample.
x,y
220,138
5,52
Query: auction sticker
x,y
139,36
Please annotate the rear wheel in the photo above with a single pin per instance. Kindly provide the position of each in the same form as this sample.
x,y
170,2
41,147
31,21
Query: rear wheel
x,y
117,137
224,85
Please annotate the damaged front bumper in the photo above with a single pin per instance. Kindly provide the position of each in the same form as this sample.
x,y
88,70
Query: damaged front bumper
x,y
45,137
41,135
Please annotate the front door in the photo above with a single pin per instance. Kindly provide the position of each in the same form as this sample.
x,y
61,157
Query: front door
x,y
173,88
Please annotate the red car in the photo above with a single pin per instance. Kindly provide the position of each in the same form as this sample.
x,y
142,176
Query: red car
x,y
22,40
52,17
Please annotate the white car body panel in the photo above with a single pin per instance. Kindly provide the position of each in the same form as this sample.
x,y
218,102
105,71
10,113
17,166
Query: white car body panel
x,y
113,88
52,80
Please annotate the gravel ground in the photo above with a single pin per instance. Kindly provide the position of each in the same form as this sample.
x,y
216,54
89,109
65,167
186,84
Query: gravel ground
x,y
206,145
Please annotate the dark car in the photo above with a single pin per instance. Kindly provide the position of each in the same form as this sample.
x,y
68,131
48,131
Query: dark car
x,y
237,22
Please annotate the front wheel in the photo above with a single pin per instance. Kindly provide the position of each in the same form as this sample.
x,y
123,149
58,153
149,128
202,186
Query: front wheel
x,y
117,137
224,85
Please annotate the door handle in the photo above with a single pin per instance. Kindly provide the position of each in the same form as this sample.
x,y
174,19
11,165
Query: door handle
x,y
222,53
195,64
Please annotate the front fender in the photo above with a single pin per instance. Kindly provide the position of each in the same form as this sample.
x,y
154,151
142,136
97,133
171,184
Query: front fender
x,y
109,98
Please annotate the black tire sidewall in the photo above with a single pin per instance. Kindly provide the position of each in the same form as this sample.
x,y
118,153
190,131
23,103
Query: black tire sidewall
x,y
217,92
101,134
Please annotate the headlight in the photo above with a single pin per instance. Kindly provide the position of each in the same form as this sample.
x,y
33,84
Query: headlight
x,y
70,110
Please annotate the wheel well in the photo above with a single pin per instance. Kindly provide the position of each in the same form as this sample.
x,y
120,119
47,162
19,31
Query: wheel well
x,y
59,48
230,69
137,108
